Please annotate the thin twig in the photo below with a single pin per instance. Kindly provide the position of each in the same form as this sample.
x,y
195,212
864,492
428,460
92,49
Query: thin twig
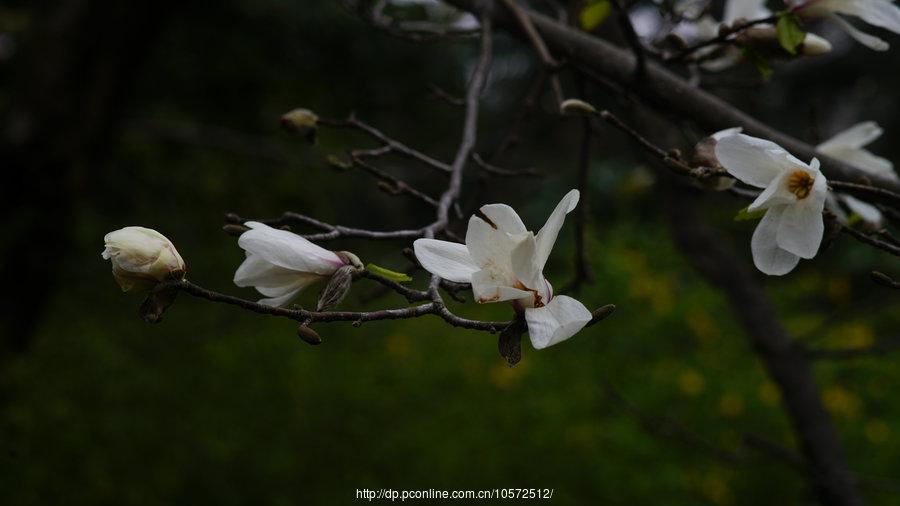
x,y
550,64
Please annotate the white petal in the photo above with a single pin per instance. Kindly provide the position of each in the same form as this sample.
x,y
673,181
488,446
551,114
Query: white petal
x,y
559,320
866,161
855,137
768,257
448,260
881,13
721,134
744,9
490,246
505,217
280,300
528,271
800,230
546,237
257,271
288,250
487,286
866,211
776,194
752,160
863,38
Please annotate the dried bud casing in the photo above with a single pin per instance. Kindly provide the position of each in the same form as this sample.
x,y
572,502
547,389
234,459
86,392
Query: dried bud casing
x,y
601,313
705,156
337,288
156,303
302,122
510,341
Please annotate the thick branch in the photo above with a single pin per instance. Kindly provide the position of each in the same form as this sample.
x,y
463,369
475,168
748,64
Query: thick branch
x,y
665,89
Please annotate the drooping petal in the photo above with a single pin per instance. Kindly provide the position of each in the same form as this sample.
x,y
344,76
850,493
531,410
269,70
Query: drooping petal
x,y
288,250
768,257
801,225
866,161
800,230
863,38
855,137
449,260
505,217
546,236
753,161
559,320
487,287
866,211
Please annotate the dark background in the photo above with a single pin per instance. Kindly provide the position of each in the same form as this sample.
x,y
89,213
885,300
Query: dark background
x,y
165,115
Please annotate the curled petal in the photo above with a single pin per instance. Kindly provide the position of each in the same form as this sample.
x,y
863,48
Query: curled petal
x,y
768,257
449,260
559,320
505,217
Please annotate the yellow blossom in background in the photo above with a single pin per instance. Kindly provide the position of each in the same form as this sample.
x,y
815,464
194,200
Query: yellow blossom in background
x,y
769,394
877,431
691,383
841,402
731,404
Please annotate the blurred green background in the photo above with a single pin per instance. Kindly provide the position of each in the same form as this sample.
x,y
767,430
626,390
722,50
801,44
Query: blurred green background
x,y
219,406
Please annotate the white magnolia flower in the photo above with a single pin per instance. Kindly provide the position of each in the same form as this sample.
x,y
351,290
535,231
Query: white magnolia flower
x,y
504,262
881,13
793,196
849,146
280,264
141,257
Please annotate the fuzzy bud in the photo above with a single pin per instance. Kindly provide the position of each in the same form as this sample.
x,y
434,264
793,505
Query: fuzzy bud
x,y
309,335
302,122
337,288
142,258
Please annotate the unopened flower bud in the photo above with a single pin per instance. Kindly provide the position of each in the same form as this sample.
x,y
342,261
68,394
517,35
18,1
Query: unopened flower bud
x,y
302,122
309,335
601,313
234,229
813,45
142,257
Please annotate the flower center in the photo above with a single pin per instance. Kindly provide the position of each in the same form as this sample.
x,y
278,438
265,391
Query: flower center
x,y
538,300
800,183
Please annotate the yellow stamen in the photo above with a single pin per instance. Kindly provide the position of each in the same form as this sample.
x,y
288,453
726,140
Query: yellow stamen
x,y
800,183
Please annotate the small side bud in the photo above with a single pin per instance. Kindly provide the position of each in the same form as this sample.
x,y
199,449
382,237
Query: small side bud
x,y
336,289
337,164
883,279
302,122
309,335
234,229
573,106
601,313
233,218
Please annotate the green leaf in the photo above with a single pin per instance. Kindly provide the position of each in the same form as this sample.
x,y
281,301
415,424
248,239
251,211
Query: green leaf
x,y
746,215
759,61
594,14
387,273
790,35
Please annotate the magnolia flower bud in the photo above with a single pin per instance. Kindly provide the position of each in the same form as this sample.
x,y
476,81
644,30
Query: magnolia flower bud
x,y
302,122
309,335
764,40
575,106
142,257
